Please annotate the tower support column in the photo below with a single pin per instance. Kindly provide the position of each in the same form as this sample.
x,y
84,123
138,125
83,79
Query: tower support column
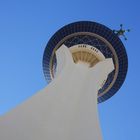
x,y
65,110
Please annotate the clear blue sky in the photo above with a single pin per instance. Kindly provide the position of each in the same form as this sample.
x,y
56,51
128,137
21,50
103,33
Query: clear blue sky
x,y
25,28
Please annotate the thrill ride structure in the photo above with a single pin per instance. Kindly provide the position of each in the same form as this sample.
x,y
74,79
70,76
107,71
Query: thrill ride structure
x,y
121,31
85,63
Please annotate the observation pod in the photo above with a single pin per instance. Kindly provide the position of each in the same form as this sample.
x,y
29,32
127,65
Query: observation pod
x,y
89,42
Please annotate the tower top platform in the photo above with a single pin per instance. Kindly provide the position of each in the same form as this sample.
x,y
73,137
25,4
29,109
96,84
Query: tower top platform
x,y
89,42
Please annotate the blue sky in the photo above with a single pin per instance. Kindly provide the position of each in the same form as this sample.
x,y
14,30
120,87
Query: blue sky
x,y
25,28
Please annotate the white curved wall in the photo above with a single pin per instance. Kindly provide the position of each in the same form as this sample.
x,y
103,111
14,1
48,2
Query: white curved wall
x,y
65,110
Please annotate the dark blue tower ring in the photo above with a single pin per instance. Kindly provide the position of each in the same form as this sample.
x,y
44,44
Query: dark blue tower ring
x,y
97,35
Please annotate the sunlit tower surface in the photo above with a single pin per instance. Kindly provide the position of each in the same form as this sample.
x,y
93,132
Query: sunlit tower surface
x,y
84,63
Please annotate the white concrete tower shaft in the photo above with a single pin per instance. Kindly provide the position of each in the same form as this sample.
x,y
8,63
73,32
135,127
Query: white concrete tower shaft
x,y
64,110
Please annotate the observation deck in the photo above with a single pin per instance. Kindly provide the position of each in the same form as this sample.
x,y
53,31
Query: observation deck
x,y
89,42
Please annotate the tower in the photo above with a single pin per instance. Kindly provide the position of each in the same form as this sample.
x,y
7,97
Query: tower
x,y
85,63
